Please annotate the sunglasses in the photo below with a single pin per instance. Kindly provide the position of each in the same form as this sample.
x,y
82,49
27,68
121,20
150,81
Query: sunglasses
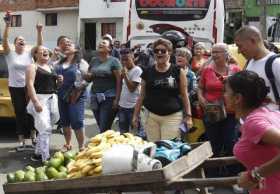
x,y
158,51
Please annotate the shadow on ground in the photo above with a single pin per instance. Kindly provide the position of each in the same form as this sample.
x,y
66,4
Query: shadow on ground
x,y
11,161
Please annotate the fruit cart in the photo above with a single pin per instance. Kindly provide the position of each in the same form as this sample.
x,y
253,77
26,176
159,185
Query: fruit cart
x,y
186,172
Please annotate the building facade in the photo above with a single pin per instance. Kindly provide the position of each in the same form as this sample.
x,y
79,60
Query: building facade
x,y
99,17
253,11
234,18
59,17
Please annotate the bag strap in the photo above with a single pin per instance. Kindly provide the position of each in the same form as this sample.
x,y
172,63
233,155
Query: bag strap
x,y
246,64
271,77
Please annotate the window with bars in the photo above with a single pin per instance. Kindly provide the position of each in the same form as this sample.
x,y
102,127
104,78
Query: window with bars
x,y
51,19
270,2
16,21
108,28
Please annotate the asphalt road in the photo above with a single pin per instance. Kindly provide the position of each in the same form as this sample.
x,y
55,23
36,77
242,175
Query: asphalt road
x,y
11,161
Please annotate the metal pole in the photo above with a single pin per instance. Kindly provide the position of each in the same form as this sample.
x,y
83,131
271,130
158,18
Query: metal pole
x,y
263,18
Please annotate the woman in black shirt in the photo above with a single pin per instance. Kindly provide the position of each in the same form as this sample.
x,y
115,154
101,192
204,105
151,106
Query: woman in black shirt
x,y
163,89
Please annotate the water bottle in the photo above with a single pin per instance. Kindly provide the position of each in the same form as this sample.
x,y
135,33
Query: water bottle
x,y
79,79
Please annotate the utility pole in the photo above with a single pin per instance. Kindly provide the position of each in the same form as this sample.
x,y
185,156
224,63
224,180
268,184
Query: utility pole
x,y
263,7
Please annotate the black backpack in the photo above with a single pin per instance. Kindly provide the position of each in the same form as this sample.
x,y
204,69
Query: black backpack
x,y
270,76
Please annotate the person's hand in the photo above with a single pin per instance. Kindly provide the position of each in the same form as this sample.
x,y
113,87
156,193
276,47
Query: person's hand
x,y
8,18
38,107
39,27
60,79
135,122
115,104
123,72
188,121
87,76
244,182
202,101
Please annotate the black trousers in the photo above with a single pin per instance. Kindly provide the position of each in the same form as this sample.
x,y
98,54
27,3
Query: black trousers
x,y
24,121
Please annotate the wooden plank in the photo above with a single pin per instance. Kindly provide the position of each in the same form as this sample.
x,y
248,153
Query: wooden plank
x,y
86,182
179,185
222,161
186,164
169,173
202,183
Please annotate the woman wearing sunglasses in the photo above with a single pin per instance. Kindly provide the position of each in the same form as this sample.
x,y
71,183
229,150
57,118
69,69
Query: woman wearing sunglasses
x,y
259,145
163,88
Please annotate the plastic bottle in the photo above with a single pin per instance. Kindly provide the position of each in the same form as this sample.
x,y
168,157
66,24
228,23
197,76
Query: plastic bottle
x,y
79,79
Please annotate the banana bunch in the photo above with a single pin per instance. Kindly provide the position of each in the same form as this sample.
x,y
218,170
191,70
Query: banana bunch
x,y
89,161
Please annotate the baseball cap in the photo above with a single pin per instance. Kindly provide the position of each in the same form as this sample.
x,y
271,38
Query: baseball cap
x,y
108,36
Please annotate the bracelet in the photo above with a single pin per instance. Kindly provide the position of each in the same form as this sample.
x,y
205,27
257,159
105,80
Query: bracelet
x,y
188,115
256,175
250,177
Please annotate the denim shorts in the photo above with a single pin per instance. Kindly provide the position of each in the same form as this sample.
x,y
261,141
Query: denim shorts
x,y
72,115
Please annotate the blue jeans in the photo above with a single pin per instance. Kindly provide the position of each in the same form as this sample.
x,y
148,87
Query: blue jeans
x,y
125,121
105,114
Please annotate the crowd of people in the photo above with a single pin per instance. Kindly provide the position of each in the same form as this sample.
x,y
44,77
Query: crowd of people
x,y
241,108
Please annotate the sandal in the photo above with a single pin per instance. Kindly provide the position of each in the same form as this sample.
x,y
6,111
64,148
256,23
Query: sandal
x,y
66,148
81,149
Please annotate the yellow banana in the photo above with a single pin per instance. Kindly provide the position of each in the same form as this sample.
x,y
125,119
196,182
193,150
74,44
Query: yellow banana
x,y
98,169
97,138
75,175
86,169
97,161
96,155
129,136
109,133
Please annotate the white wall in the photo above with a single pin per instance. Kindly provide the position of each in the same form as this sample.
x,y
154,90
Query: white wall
x,y
67,24
98,9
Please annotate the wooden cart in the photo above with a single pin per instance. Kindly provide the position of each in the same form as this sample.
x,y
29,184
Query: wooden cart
x,y
168,178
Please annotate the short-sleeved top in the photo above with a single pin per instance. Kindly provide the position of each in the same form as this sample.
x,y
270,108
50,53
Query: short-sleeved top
x,y
162,93
17,65
69,77
45,82
128,99
212,82
258,66
104,78
192,81
251,152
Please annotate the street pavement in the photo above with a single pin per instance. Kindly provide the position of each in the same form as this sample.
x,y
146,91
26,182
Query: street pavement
x,y
11,161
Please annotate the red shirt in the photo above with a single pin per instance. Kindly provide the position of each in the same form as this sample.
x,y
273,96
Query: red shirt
x,y
212,82
196,65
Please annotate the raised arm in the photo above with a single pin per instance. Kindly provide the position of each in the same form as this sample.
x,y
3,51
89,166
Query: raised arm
x,y
131,85
6,46
39,29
